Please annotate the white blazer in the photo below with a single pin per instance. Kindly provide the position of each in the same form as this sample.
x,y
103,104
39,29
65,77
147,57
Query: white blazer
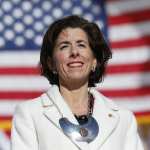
x,y
35,125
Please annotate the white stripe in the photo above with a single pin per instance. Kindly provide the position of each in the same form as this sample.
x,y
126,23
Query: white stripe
x,y
19,58
124,6
125,81
130,55
135,104
25,83
113,81
7,107
129,31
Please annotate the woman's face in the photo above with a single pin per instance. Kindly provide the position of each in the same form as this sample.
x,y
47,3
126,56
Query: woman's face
x,y
73,57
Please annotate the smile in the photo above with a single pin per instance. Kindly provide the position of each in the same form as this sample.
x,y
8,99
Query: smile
x,y
75,64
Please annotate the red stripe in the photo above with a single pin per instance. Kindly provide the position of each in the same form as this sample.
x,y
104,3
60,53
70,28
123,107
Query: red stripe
x,y
131,17
5,118
143,91
128,68
21,95
142,41
19,71
8,133
142,113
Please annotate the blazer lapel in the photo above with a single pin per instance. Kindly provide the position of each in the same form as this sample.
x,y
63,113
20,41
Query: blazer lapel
x,y
54,108
50,111
107,118
60,107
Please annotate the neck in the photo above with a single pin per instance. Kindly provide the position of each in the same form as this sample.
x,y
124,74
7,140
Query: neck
x,y
77,99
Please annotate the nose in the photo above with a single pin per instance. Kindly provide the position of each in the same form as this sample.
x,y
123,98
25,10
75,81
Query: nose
x,y
74,51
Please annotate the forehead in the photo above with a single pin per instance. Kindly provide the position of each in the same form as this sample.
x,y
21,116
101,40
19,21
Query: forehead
x,y
72,34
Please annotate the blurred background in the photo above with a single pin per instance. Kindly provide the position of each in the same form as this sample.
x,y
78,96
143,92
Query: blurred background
x,y
126,27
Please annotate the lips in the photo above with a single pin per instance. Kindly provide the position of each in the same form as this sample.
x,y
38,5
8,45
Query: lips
x,y
75,64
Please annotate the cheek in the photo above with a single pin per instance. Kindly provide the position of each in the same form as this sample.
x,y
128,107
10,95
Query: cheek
x,y
59,59
89,57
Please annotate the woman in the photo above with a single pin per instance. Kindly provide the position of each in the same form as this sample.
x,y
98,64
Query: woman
x,y
72,114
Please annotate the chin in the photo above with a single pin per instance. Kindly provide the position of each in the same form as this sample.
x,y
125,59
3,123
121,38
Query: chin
x,y
78,78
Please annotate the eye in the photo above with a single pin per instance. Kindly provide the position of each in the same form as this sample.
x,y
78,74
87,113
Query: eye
x,y
63,47
81,45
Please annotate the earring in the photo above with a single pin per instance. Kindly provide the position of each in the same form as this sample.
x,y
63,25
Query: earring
x,y
93,69
54,72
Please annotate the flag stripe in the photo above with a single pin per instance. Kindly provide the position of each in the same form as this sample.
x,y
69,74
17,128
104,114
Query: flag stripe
x,y
135,104
129,68
126,81
5,118
130,17
19,71
17,82
19,58
121,32
134,55
143,40
127,92
141,113
7,106
22,95
119,7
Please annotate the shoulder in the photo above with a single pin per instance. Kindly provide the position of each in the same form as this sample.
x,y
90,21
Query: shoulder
x,y
127,117
31,106
31,103
125,114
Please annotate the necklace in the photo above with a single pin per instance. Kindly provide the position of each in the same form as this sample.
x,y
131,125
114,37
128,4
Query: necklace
x,y
81,133
82,119
85,132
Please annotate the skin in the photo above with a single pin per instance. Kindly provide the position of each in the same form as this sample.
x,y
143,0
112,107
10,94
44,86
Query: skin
x,y
73,61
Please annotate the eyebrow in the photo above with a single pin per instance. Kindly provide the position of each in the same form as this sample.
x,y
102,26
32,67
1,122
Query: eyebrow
x,y
63,42
67,42
82,41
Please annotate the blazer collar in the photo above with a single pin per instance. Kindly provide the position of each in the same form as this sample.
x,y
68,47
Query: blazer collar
x,y
105,112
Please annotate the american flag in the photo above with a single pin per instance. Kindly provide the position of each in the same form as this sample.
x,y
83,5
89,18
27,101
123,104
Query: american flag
x,y
126,26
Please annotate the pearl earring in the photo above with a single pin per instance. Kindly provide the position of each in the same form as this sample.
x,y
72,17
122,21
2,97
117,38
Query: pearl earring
x,y
93,69
54,72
